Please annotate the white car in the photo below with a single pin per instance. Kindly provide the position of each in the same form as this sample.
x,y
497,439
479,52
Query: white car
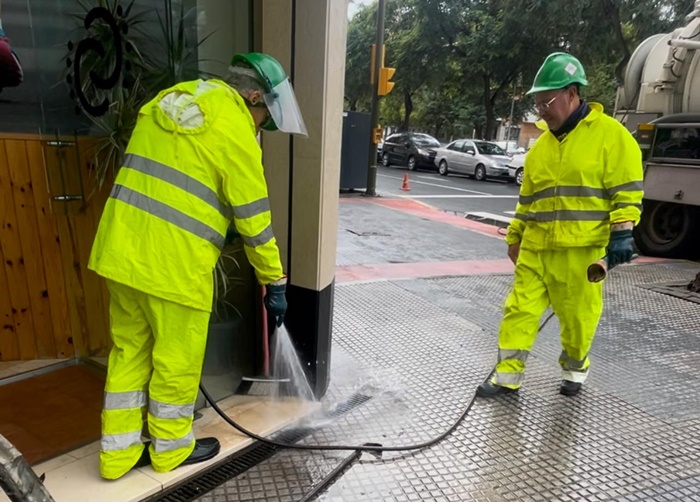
x,y
516,165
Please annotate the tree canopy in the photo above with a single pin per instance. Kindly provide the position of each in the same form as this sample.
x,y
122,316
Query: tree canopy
x,y
460,63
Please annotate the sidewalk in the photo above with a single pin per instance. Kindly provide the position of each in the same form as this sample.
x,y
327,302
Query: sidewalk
x,y
417,308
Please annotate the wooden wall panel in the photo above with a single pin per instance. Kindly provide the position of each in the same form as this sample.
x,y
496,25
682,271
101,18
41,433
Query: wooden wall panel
x,y
23,190
9,349
14,264
63,330
72,273
51,305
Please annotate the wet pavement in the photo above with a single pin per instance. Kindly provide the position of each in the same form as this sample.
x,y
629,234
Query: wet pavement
x,y
418,347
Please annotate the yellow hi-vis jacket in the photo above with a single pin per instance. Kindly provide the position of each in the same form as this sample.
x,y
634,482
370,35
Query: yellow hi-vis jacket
x,y
192,166
575,189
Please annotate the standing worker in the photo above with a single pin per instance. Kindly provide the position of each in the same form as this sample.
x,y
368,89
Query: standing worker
x,y
192,167
580,199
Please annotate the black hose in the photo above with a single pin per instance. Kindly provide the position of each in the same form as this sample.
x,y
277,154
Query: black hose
x,y
367,447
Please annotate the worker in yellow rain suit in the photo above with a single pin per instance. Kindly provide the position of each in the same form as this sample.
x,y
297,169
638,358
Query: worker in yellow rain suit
x,y
192,172
580,199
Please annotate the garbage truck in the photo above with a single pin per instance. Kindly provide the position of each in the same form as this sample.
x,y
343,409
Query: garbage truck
x,y
659,102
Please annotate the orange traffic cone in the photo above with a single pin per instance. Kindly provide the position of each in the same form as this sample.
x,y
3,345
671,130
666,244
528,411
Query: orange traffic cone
x,y
405,187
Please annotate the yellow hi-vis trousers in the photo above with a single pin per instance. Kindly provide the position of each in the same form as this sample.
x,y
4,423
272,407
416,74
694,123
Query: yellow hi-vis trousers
x,y
557,278
156,361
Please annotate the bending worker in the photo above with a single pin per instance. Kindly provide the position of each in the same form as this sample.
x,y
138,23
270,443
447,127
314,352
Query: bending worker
x,y
580,199
192,167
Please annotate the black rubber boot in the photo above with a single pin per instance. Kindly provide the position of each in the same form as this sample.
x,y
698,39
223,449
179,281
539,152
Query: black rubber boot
x,y
145,458
204,449
568,388
489,389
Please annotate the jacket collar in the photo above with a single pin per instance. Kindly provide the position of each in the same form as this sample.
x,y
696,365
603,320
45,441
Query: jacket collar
x,y
594,114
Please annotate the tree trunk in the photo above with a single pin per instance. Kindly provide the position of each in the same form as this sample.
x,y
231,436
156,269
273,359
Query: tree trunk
x,y
612,13
490,126
408,109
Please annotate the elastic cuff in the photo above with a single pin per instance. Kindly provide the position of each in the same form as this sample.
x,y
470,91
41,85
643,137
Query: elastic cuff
x,y
625,225
280,282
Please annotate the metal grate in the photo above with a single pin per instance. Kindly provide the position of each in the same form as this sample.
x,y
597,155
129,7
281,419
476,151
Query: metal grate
x,y
675,289
247,458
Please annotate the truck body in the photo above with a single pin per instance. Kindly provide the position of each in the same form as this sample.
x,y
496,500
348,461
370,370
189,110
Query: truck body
x,y
659,102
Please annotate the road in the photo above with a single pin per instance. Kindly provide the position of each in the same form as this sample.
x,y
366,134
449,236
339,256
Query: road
x,y
453,193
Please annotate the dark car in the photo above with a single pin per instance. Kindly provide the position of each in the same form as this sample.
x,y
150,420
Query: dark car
x,y
413,150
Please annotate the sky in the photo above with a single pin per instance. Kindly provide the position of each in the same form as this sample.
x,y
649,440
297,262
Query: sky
x,y
353,6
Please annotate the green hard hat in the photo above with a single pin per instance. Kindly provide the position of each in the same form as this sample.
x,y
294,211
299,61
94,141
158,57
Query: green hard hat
x,y
270,71
559,70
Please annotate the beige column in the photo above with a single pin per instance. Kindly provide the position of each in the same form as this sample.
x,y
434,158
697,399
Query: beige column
x,y
318,73
308,37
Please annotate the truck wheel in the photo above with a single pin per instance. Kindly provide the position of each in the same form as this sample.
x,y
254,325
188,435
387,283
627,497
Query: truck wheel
x,y
665,229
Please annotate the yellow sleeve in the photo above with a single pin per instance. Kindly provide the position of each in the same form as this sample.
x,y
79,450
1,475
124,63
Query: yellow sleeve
x,y
245,189
517,226
624,177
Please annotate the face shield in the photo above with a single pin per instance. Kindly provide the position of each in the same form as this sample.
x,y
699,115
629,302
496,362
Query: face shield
x,y
284,110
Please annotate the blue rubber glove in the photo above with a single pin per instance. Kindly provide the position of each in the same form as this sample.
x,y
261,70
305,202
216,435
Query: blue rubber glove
x,y
276,302
620,248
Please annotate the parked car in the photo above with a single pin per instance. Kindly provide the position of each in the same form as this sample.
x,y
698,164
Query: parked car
x,y
511,147
413,150
516,168
480,159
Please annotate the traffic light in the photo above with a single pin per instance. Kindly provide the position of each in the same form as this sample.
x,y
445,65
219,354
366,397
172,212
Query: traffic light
x,y
385,86
377,135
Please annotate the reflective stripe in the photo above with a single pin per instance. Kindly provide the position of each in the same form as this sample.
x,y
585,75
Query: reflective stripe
x,y
627,204
251,209
518,355
508,378
169,214
519,216
163,410
178,179
113,442
632,186
569,215
575,376
124,400
565,191
258,240
161,445
570,363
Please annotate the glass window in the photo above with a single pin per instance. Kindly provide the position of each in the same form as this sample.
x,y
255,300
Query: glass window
x,y
677,143
469,147
425,141
489,148
86,68
457,146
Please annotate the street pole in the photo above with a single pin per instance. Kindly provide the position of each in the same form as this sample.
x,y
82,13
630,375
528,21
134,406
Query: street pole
x,y
510,120
372,171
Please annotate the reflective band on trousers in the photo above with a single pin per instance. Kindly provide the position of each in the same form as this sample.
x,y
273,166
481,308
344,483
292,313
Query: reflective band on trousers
x,y
580,191
113,442
162,445
169,214
572,364
509,378
178,179
258,240
125,400
163,410
519,355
